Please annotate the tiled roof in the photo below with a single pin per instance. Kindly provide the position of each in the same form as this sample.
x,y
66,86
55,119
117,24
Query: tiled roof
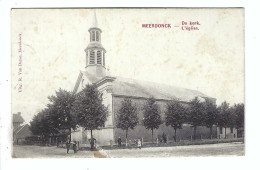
x,y
138,88
145,89
23,131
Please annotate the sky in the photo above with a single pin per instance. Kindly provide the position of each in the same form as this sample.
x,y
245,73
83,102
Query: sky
x,y
210,59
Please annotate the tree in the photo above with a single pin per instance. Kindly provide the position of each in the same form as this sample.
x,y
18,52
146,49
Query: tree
x,y
196,114
175,115
210,115
61,105
239,115
126,117
89,110
224,117
152,118
42,124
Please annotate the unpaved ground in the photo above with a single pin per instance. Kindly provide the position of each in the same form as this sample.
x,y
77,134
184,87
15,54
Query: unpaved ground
x,y
227,149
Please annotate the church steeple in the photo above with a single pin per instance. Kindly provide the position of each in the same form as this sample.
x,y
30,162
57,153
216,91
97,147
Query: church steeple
x,y
95,23
95,52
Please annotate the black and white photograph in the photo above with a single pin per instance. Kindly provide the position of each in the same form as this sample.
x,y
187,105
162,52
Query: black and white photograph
x,y
127,82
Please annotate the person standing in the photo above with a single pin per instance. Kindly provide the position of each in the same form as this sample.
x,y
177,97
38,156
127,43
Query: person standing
x,y
74,146
92,142
119,141
68,146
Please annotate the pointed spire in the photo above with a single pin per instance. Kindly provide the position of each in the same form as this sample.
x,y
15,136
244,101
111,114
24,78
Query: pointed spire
x,y
95,23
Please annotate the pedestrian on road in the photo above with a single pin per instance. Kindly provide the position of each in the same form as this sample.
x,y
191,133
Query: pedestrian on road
x,y
68,146
74,146
119,141
92,142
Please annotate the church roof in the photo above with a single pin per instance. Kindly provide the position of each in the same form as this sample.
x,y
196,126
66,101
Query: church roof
x,y
145,89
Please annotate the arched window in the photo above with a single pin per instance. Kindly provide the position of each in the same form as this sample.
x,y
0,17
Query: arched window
x,y
92,57
99,58
97,36
92,35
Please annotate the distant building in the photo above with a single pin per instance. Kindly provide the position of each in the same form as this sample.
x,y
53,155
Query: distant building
x,y
20,132
115,89
17,120
230,132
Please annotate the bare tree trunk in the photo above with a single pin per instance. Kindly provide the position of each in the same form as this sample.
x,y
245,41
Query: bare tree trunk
x,y
175,134
225,133
210,132
126,137
70,133
195,129
91,141
152,135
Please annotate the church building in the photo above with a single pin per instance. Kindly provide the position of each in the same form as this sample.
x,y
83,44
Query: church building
x,y
115,89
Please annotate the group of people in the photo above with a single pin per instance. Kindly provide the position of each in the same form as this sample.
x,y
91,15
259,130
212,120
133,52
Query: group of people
x,y
163,138
74,146
138,142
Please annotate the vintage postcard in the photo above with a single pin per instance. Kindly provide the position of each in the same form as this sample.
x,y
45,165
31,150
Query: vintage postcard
x,y
127,82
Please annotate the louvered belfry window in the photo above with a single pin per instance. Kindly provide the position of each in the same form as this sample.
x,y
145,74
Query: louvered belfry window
x,y
99,57
92,57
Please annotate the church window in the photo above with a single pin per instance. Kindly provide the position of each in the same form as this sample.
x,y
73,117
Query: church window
x,y
92,35
92,57
97,36
99,59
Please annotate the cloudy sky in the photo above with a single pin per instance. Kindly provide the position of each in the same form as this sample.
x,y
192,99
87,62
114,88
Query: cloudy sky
x,y
210,59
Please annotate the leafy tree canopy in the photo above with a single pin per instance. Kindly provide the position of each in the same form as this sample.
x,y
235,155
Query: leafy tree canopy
x,y
175,114
210,113
89,109
224,117
61,104
127,115
196,113
152,118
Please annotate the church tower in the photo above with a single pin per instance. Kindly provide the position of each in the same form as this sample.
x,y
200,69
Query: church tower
x,y
95,52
